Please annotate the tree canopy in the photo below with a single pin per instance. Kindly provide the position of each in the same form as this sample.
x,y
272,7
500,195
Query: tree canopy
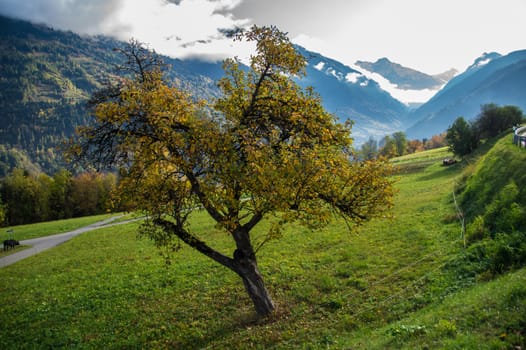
x,y
464,137
265,149
492,119
461,137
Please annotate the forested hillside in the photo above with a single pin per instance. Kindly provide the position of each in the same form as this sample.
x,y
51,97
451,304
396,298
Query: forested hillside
x,y
46,78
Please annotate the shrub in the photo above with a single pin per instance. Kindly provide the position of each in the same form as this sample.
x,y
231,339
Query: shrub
x,y
476,230
446,327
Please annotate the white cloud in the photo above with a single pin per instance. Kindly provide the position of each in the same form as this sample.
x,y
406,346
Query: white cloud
x,y
87,17
177,28
431,36
191,28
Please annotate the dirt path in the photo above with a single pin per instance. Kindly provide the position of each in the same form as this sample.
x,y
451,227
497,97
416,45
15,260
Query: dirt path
x,y
43,243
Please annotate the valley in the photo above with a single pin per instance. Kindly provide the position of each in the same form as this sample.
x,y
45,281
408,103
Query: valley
x,y
49,74
404,283
335,249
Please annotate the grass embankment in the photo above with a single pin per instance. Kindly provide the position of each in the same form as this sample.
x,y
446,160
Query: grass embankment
x,y
384,286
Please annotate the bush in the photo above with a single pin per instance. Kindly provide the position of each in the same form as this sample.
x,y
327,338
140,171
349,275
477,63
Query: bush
x,y
476,231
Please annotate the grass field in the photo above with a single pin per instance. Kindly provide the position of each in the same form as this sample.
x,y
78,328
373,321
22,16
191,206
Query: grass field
x,y
384,286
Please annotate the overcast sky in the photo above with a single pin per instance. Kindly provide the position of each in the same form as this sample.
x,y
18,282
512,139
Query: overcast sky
x,y
429,35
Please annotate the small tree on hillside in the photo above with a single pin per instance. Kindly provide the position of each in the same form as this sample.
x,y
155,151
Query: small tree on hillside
x,y
400,140
369,149
461,137
265,148
436,141
388,147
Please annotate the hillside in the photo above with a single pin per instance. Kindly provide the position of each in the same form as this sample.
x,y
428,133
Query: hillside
x,y
48,75
491,79
404,283
494,193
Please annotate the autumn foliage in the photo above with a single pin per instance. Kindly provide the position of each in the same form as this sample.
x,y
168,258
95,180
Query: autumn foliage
x,y
266,148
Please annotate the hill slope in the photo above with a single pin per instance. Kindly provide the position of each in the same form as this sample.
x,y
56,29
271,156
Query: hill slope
x,y
48,75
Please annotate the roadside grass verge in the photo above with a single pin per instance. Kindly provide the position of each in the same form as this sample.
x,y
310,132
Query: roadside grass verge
x,y
29,231
17,249
333,288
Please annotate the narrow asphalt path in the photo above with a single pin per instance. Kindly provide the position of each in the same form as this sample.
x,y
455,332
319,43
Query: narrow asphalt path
x,y
44,243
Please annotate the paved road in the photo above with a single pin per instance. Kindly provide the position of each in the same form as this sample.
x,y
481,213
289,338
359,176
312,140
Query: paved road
x,y
43,243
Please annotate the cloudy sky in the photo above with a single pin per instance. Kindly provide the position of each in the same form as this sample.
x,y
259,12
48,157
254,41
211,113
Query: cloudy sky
x,y
428,35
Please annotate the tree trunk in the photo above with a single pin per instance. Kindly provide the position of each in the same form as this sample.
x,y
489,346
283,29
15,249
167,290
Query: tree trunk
x,y
247,269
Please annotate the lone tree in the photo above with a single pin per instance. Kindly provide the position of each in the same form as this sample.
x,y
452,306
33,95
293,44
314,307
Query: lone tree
x,y
462,137
266,148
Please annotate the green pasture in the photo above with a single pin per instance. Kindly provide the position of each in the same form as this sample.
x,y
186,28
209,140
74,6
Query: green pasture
x,y
385,285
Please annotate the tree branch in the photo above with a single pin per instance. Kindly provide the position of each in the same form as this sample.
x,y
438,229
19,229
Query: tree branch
x,y
196,188
253,221
195,243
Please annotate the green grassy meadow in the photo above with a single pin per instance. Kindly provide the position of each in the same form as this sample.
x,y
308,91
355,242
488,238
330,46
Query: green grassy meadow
x,y
387,285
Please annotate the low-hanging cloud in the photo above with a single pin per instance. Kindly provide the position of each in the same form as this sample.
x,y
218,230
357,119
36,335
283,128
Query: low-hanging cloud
x,y
80,16
201,27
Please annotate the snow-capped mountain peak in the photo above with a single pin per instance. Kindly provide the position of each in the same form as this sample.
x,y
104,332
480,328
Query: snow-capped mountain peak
x,y
404,84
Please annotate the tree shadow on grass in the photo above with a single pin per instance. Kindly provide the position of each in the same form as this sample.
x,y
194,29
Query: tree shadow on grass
x,y
243,318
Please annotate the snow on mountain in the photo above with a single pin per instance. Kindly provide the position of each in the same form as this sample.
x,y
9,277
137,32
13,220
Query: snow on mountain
x,y
484,60
361,76
350,93
405,84
407,96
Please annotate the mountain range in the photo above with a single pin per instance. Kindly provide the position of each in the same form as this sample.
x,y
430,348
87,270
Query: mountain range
x,y
492,78
407,78
47,75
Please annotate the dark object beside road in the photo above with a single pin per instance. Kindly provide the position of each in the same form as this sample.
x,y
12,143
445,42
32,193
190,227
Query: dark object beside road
x,y
10,243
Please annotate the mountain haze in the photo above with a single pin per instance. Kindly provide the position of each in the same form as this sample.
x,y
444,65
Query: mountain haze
x,y
492,78
349,94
